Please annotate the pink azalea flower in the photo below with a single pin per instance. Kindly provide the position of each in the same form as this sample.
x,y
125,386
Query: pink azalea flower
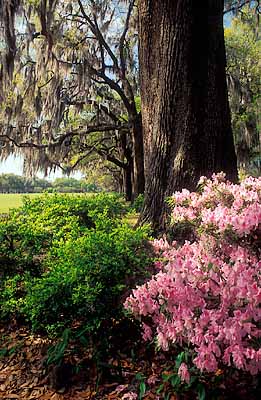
x,y
208,293
184,373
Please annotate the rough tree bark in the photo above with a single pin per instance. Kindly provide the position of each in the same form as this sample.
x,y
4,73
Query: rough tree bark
x,y
186,118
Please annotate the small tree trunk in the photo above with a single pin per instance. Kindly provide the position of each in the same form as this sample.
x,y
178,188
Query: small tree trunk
x,y
138,155
127,170
127,177
185,111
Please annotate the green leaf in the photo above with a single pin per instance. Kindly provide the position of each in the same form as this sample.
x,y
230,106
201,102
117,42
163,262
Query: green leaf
x,y
166,377
139,376
201,391
180,358
175,380
142,389
160,388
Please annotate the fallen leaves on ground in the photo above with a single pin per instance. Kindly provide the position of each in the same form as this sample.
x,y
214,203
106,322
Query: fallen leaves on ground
x,y
24,374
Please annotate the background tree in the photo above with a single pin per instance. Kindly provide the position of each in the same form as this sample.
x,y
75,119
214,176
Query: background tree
x,y
243,47
69,86
11,183
72,185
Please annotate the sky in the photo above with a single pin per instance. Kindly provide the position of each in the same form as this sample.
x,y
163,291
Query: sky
x,y
11,165
14,165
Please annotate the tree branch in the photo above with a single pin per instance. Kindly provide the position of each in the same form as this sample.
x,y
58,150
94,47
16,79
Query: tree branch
x,y
103,153
24,144
96,31
236,6
105,80
123,37
113,85
60,140
111,158
48,81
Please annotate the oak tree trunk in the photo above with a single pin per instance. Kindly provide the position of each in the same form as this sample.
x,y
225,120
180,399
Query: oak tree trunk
x,y
185,112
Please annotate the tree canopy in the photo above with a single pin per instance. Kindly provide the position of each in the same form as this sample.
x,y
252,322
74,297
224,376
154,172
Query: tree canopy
x,y
69,82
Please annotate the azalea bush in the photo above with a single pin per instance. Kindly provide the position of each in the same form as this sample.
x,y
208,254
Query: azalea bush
x,y
220,207
206,296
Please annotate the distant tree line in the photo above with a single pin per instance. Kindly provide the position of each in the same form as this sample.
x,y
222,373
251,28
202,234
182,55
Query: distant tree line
x,y
11,183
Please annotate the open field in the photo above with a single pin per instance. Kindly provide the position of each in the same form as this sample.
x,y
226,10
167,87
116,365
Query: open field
x,y
12,200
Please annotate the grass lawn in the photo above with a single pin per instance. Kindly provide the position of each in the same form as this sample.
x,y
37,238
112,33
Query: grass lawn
x,y
12,200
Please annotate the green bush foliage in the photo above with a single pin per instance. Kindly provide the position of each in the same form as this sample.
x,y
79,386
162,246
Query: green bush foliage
x,y
30,231
138,203
85,280
67,261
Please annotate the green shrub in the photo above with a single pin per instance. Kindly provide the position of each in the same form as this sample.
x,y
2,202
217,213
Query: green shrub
x,y
138,203
66,264
86,280
30,231
11,296
38,231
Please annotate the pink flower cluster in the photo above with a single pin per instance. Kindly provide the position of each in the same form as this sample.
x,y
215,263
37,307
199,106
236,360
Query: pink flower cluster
x,y
208,293
221,205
